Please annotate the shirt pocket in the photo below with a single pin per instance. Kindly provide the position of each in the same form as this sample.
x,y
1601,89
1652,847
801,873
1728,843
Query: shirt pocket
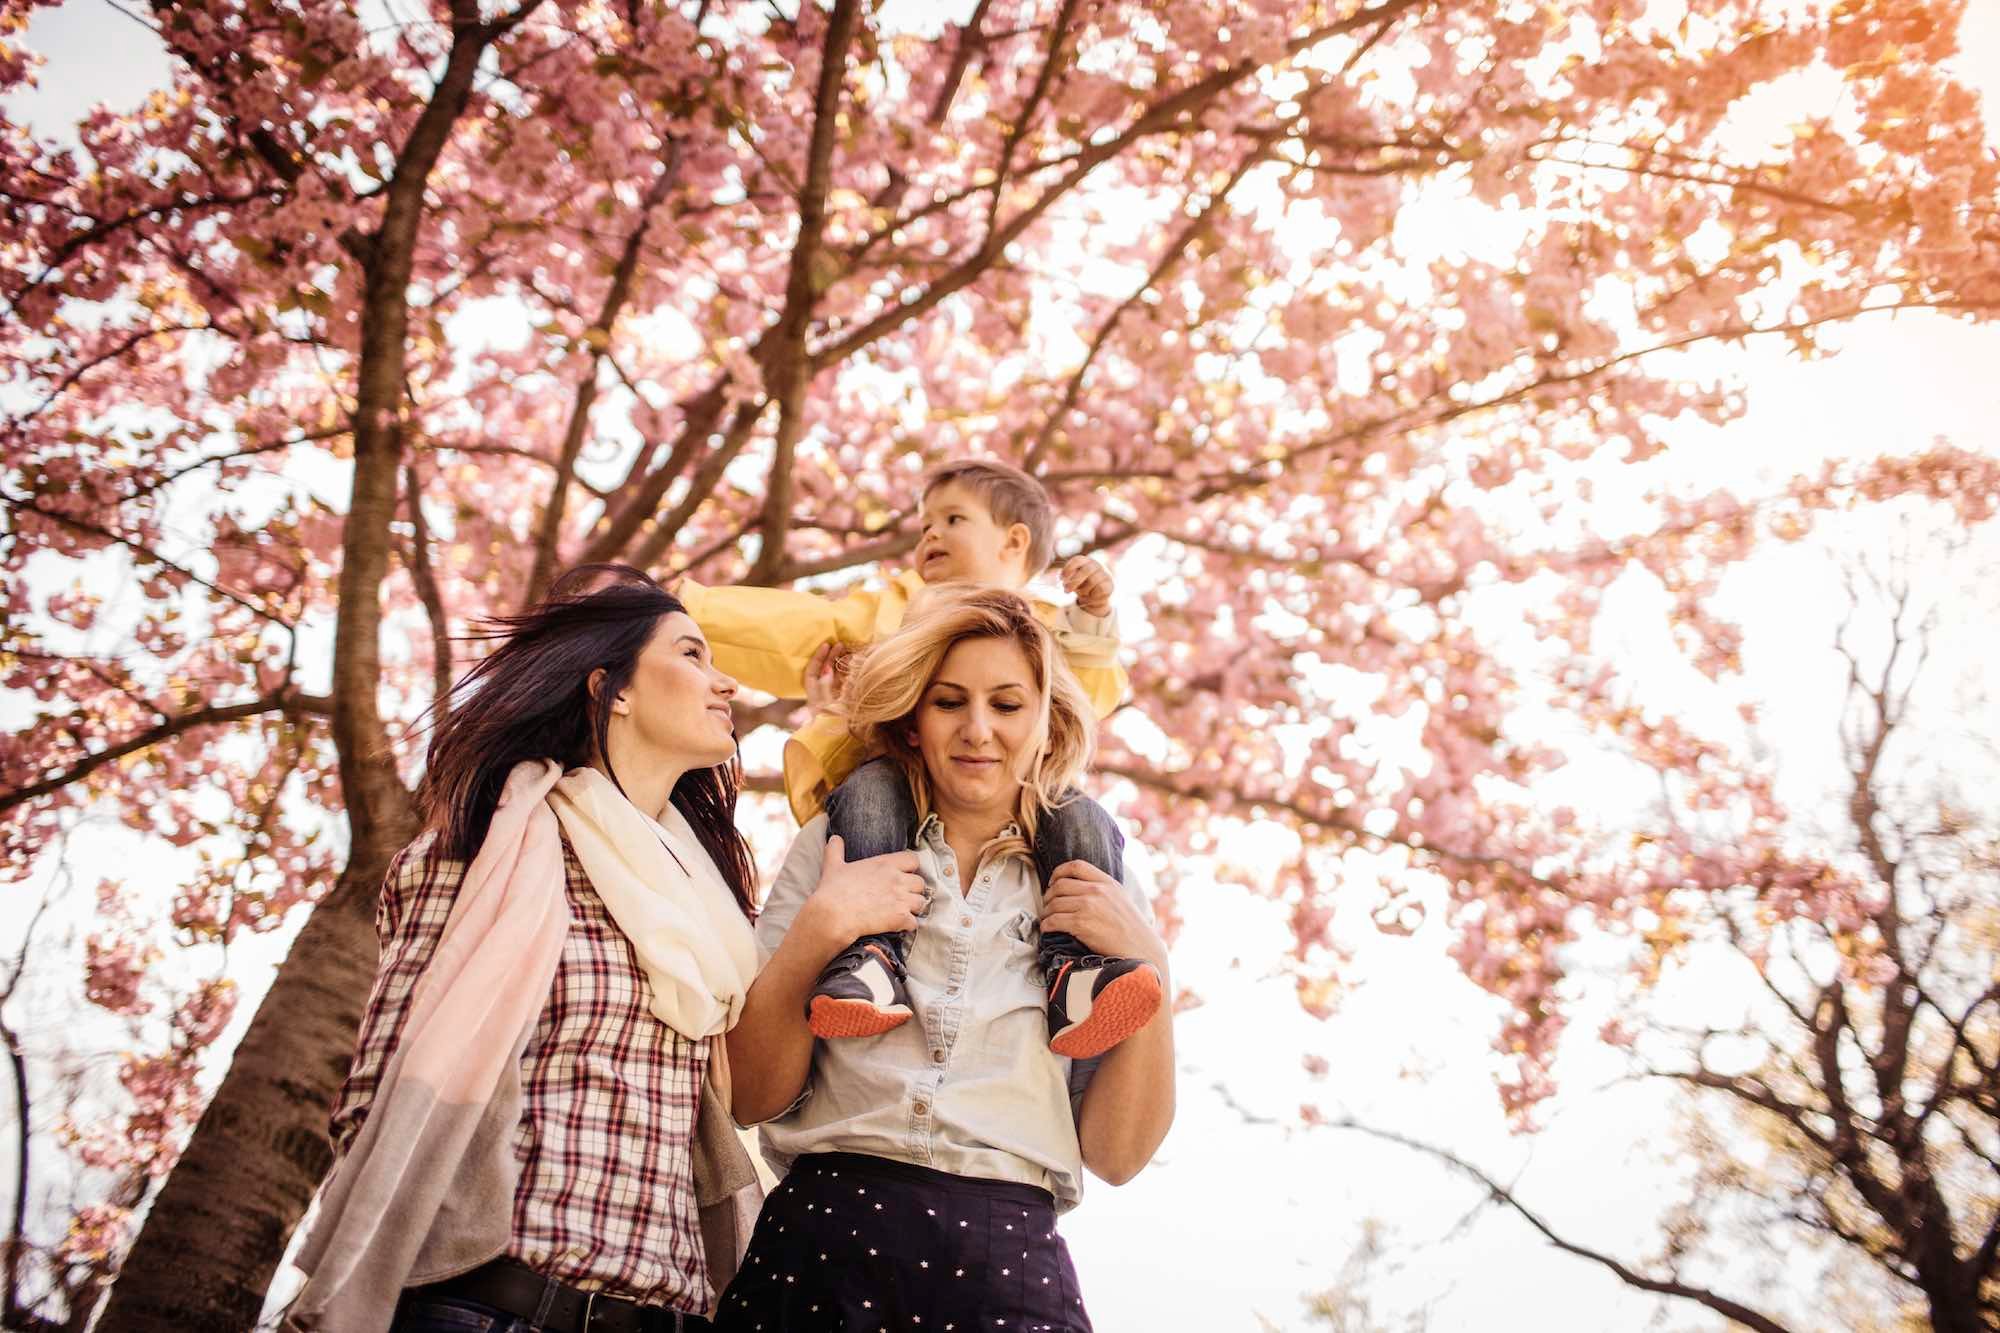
x,y
1020,927
1008,978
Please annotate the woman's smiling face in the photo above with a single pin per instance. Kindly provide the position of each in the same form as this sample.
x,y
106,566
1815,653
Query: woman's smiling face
x,y
677,706
979,716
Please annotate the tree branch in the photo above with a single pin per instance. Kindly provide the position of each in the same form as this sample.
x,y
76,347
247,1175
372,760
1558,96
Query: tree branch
x,y
285,701
668,527
1023,117
967,41
12,1311
147,555
548,538
888,548
424,577
1255,476
378,805
787,369
1702,1296
1756,1094
248,451
1168,113
698,417
750,717
713,549
1168,261
1188,785
110,354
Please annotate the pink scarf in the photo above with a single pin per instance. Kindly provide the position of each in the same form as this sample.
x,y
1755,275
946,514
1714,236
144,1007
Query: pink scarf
x,y
426,1190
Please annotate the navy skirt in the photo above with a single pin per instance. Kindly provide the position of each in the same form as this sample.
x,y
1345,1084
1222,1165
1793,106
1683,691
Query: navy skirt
x,y
863,1244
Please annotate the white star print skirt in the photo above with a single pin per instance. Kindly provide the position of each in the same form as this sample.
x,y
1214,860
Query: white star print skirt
x,y
856,1243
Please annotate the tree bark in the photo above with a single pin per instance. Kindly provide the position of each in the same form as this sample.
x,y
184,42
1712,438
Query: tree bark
x,y
219,1226
220,1223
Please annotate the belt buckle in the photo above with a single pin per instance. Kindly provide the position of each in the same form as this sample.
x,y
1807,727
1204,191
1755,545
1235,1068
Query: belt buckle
x,y
589,1308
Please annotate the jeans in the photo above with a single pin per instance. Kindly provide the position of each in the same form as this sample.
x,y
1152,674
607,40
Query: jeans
x,y
434,1315
455,1314
874,814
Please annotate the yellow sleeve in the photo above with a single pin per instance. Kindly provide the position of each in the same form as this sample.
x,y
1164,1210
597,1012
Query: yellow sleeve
x,y
818,756
1094,659
1105,686
765,636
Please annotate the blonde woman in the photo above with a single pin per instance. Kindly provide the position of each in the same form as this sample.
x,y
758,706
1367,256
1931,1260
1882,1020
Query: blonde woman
x,y
924,1168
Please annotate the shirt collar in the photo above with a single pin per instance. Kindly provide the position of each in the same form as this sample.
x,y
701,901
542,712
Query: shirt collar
x,y
934,823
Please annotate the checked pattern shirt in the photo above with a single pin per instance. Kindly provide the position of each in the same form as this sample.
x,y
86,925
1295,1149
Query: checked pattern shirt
x,y
609,1095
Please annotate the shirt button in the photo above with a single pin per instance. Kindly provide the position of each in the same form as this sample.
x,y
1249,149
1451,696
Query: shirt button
x,y
965,921
921,1109
937,1057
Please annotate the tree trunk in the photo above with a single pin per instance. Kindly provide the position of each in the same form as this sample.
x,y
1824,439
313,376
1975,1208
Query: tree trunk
x,y
1951,1290
221,1222
214,1235
1958,1316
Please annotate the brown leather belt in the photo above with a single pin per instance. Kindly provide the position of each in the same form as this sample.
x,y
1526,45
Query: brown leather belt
x,y
520,1291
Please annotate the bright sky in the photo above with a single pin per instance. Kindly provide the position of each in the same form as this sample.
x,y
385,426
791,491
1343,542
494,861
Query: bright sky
x,y
1238,1218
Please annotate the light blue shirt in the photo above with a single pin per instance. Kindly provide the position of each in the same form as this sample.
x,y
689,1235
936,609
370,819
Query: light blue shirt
x,y
968,1085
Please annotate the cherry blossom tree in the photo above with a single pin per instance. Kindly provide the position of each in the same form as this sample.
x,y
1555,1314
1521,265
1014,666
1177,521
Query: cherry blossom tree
x,y
1320,311
1836,1068
1864,1075
101,1102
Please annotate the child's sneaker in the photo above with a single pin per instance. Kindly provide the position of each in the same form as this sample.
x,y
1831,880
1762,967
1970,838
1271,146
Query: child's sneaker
x,y
859,995
1096,1002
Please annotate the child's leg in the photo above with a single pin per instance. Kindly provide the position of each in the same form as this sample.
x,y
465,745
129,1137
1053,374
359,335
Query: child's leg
x,y
861,993
1077,830
872,811
1094,1002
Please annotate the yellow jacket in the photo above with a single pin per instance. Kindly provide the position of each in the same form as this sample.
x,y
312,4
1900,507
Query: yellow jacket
x,y
766,636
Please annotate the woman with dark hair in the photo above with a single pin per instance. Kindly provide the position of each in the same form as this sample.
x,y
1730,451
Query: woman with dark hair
x,y
923,1168
535,1131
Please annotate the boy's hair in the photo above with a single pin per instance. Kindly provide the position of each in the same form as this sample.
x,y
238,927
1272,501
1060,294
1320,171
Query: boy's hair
x,y
1010,495
889,680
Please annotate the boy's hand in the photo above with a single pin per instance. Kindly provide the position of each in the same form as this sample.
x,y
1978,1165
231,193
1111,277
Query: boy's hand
x,y
826,676
1090,583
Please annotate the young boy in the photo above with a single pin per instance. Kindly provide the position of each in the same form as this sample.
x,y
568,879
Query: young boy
x,y
983,523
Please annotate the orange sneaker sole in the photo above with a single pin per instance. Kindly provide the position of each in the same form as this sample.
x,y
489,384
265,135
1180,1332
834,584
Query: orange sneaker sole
x,y
831,1018
1120,1010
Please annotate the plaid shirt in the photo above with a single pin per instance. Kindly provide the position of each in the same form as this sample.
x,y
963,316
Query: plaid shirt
x,y
609,1095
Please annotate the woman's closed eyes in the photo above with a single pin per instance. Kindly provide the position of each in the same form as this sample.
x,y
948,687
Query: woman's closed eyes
x,y
952,704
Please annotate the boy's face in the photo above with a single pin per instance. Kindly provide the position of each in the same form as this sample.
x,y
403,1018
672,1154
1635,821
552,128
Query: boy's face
x,y
963,543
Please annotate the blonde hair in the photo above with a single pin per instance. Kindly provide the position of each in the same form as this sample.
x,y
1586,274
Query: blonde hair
x,y
888,682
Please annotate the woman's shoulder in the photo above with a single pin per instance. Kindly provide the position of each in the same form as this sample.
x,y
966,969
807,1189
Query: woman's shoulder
x,y
418,885
798,874
424,863
807,851
812,833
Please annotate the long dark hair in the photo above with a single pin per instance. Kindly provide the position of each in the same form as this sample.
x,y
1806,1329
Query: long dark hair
x,y
530,698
